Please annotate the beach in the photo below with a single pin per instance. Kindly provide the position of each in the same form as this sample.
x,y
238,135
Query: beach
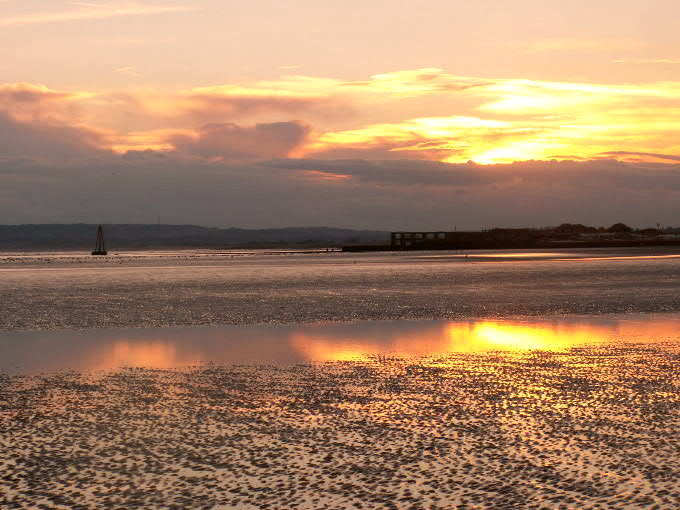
x,y
479,380
150,289
339,255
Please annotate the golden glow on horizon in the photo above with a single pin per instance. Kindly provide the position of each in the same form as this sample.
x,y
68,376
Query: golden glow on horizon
x,y
155,140
531,120
520,151
496,121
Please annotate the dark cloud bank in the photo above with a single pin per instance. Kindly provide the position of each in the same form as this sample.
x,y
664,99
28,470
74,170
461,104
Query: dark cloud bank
x,y
229,175
283,193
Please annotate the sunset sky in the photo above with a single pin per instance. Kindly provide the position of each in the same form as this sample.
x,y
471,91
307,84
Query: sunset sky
x,y
366,114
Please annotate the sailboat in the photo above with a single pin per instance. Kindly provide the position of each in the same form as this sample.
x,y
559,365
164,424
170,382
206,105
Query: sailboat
x,y
100,248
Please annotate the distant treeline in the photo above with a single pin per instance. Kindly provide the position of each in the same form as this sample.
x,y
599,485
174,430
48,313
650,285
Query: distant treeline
x,y
133,236
616,228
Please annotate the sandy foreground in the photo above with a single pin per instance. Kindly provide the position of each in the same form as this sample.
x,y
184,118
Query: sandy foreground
x,y
584,426
592,427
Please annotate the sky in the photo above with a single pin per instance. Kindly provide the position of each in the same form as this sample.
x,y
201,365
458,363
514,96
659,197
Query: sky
x,y
365,114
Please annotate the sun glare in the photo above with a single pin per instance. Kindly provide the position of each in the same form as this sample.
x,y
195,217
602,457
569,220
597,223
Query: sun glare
x,y
516,152
461,337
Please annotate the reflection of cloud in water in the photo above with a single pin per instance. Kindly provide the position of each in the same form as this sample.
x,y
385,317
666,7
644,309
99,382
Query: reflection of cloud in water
x,y
290,344
339,345
149,354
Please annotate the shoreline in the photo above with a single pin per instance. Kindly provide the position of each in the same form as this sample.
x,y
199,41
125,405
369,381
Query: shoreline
x,y
539,317
162,292
545,245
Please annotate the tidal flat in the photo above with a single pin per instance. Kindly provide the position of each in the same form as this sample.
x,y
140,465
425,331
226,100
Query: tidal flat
x,y
581,428
190,288
445,380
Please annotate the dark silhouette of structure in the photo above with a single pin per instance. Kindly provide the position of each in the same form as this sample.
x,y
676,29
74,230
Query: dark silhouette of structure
x,y
100,248
488,239
566,235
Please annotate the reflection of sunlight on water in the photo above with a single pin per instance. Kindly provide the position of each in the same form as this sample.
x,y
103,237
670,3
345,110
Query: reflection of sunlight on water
x,y
475,337
500,257
486,336
624,257
529,254
520,255
495,255
112,349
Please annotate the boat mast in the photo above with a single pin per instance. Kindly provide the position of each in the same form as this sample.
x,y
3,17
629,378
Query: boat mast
x,y
100,247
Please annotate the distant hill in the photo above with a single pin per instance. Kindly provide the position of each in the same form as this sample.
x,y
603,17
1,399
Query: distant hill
x,y
134,236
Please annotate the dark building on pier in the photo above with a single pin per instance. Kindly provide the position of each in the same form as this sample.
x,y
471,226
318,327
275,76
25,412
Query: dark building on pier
x,y
487,239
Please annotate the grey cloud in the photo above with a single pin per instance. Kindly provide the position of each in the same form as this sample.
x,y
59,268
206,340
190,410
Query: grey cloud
x,y
209,104
19,139
391,172
143,154
378,194
607,174
230,141
209,107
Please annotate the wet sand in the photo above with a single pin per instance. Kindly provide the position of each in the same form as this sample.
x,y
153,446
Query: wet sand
x,y
527,421
585,428
75,291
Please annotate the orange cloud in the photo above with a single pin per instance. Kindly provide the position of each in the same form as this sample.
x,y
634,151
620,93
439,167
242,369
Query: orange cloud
x,y
28,102
417,114
519,120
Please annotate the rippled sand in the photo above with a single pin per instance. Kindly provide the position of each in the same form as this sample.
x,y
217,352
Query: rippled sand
x,y
587,427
